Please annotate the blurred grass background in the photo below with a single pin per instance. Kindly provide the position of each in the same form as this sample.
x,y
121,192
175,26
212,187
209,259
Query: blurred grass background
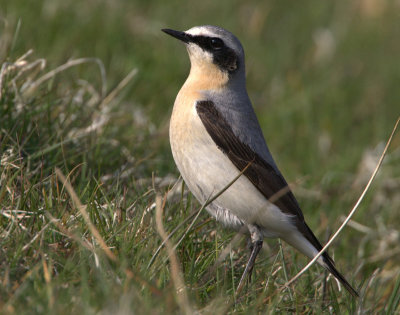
x,y
323,78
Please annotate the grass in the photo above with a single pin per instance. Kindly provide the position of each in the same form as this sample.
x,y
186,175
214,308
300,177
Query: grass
x,y
88,144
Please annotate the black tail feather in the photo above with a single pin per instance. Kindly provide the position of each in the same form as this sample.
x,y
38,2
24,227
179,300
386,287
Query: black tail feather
x,y
331,268
328,261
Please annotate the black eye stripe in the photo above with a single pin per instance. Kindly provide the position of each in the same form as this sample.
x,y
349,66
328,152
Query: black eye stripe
x,y
208,43
224,56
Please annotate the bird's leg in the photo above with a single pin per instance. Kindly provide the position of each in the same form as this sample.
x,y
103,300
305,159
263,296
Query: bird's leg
x,y
256,245
254,250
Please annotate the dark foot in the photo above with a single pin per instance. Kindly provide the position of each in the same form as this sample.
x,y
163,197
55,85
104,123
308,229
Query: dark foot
x,y
255,247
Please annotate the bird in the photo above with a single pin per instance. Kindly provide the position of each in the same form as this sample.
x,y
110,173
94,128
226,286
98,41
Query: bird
x,y
215,137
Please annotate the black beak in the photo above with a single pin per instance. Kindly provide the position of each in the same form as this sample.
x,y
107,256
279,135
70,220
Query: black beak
x,y
177,34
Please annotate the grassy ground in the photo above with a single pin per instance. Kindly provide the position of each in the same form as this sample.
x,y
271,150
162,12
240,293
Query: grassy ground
x,y
86,92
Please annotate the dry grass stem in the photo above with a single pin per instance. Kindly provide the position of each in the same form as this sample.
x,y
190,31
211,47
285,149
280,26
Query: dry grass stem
x,y
196,214
121,85
85,215
66,232
351,212
234,241
82,209
176,276
65,66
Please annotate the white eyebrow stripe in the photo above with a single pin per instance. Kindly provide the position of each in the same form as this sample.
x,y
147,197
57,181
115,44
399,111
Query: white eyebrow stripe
x,y
199,31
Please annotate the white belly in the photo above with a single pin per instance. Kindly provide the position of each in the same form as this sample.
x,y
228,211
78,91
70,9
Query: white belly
x,y
207,170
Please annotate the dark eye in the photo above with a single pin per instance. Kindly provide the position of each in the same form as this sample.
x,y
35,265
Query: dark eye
x,y
216,43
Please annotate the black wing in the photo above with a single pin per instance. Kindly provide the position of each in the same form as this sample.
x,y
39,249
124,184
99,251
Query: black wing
x,y
263,175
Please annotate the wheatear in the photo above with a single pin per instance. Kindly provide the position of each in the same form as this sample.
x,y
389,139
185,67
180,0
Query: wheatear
x,y
215,135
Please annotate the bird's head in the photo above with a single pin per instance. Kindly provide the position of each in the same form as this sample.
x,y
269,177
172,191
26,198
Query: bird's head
x,y
215,54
